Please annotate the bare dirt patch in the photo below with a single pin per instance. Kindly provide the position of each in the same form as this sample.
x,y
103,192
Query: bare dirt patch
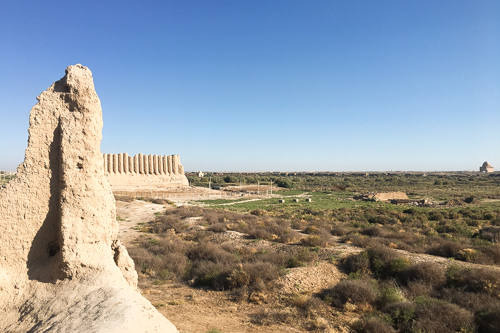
x,y
130,214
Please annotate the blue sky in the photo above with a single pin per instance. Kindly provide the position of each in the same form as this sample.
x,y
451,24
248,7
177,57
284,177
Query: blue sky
x,y
268,85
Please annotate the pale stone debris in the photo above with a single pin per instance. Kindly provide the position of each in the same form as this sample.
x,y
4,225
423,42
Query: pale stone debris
x,y
62,268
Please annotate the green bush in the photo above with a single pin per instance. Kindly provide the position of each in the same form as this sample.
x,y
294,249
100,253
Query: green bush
x,y
355,291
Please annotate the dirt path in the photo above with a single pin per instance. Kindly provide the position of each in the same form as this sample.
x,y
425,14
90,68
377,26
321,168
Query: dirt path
x,y
129,214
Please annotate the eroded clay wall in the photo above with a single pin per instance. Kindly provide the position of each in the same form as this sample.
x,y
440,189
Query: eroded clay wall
x,y
143,170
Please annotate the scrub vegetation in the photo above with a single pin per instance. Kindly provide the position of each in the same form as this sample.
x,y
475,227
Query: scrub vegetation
x,y
426,268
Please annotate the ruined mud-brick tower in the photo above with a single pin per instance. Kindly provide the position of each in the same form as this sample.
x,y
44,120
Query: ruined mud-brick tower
x,y
62,268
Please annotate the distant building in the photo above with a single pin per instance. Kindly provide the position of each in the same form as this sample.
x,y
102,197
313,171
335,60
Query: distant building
x,y
486,167
201,174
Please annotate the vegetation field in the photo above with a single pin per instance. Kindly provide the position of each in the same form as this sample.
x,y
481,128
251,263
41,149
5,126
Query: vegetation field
x,y
427,268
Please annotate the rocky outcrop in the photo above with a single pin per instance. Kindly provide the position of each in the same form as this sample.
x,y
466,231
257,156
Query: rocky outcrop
x,y
62,268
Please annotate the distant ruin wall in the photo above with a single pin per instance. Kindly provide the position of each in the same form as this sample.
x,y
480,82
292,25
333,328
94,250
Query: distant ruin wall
x,y
390,196
142,171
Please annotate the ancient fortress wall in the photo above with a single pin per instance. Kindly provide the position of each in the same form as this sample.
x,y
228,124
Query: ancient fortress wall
x,y
141,170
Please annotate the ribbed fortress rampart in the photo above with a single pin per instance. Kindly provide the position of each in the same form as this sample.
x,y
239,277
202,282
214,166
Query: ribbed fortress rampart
x,y
143,170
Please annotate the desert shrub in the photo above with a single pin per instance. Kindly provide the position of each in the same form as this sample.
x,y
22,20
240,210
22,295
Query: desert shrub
x,y
175,263
339,231
186,211
211,216
432,315
212,252
357,263
294,262
474,302
474,280
165,223
390,295
278,259
248,218
429,273
272,230
311,230
488,321
402,314
385,262
196,235
164,245
406,237
160,201
289,236
310,304
446,248
379,219
266,317
258,233
143,260
322,238
354,291
373,325
415,289
361,241
489,255
307,255
239,277
260,271
258,212
214,274
124,198
491,234
300,260
218,227
373,231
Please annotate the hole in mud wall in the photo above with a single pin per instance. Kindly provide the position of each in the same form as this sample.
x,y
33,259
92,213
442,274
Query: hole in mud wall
x,y
53,249
79,165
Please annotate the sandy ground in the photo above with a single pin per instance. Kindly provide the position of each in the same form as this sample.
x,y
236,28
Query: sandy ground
x,y
129,214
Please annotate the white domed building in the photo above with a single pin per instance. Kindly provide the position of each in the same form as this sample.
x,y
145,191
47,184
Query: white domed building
x,y
487,167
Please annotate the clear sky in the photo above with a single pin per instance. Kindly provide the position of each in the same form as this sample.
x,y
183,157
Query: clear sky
x,y
263,85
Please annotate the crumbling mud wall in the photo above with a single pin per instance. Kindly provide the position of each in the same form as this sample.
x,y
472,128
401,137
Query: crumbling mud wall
x,y
62,268
142,170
